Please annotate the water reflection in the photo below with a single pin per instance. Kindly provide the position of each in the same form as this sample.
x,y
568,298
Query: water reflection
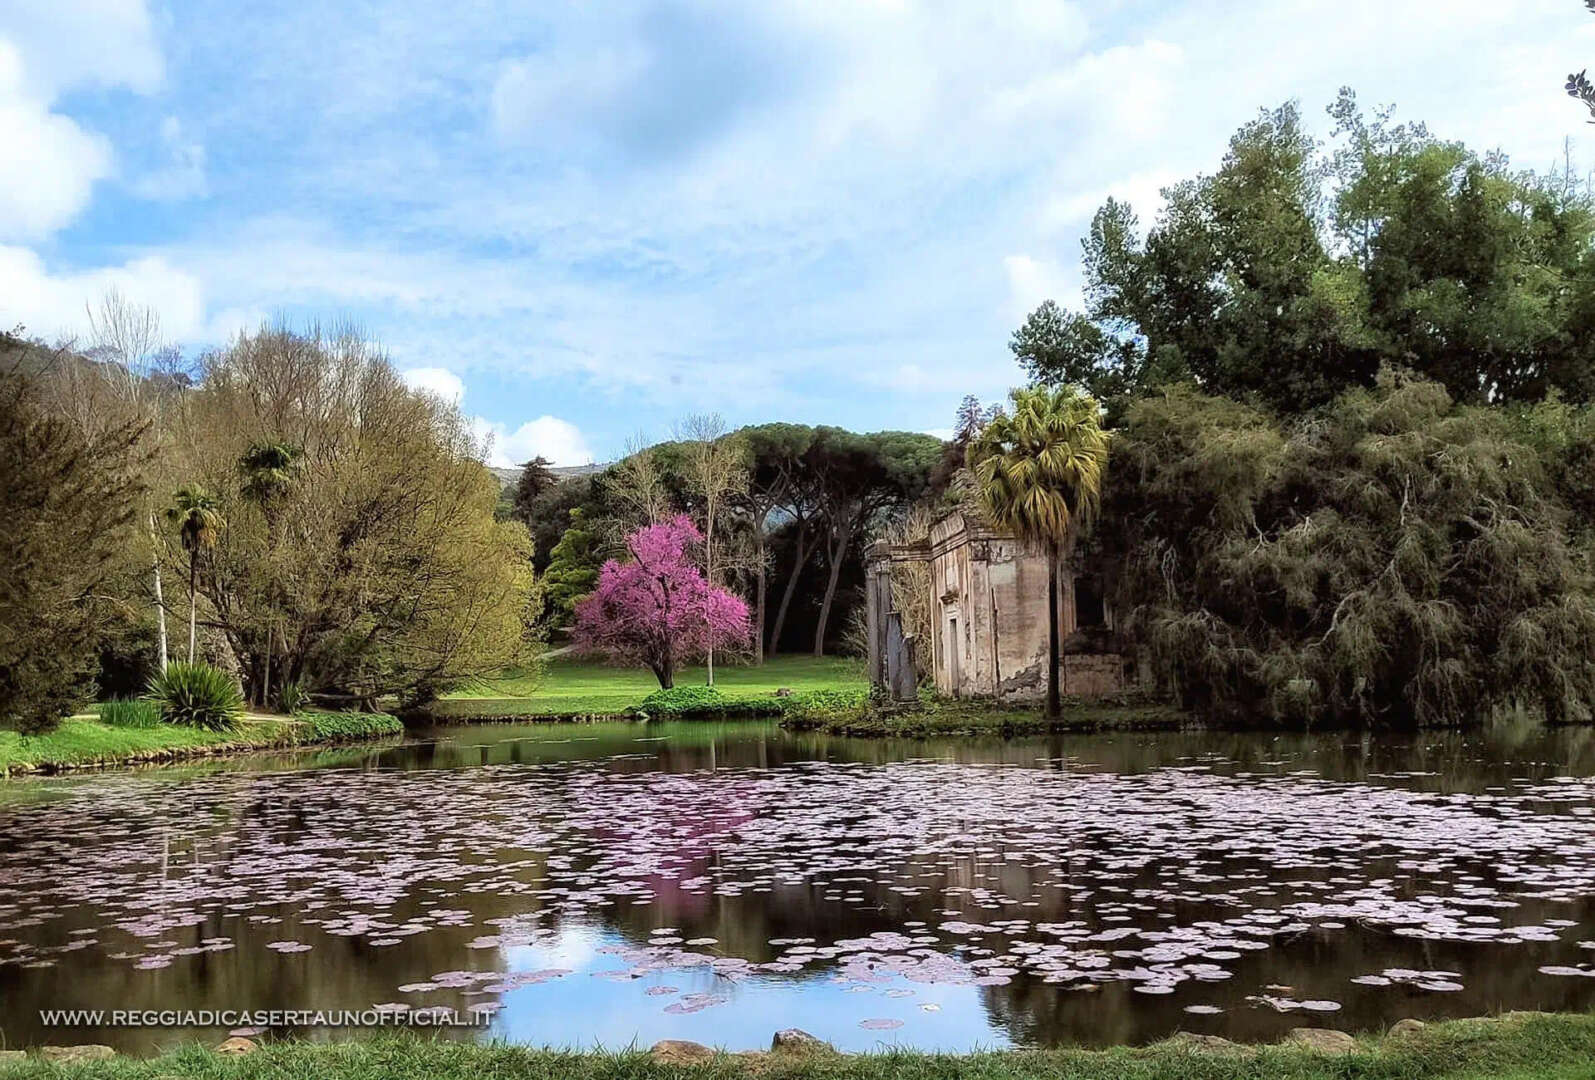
x,y
619,883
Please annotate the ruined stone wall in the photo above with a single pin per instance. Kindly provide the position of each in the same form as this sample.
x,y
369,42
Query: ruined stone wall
x,y
989,621
990,635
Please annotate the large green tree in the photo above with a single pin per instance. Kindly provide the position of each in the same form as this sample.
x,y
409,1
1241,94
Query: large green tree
x,y
68,504
1395,559
857,479
536,480
1298,268
1038,470
572,570
778,492
381,568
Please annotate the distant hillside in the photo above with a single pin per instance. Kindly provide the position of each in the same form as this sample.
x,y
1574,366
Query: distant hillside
x,y
31,357
508,475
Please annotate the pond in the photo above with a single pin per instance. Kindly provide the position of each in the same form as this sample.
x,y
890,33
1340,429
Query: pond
x,y
618,884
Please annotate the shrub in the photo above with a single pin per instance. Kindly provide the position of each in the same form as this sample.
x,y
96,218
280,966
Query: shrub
x,y
329,726
684,701
699,702
198,696
293,697
130,713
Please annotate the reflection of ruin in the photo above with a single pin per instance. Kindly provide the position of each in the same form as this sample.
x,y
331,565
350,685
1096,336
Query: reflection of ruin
x,y
988,620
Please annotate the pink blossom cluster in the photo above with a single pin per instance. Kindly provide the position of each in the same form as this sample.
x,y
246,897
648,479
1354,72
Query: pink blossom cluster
x,y
657,609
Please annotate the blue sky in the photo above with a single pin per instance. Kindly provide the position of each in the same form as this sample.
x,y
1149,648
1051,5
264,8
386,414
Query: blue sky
x,y
589,219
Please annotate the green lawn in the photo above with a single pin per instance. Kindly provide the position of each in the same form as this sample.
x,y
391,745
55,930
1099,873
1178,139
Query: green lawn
x,y
1517,1047
583,688
84,741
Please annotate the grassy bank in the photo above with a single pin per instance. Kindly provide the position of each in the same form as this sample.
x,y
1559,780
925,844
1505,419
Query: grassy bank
x,y
1515,1047
941,716
578,689
85,742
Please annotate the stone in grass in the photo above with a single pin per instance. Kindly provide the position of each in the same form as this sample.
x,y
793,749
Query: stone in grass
x,y
73,1055
798,1041
1402,1028
679,1052
1323,1039
1194,1041
8,1057
237,1045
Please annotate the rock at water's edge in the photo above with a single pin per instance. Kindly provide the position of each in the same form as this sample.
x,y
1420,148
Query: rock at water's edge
x,y
1330,1042
679,1052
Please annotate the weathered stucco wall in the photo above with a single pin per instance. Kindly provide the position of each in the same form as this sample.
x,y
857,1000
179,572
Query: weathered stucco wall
x,y
990,632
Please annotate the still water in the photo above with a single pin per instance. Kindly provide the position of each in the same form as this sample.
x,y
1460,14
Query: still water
x,y
618,884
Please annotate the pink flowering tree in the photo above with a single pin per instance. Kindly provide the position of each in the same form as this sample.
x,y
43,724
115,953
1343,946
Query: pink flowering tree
x,y
657,609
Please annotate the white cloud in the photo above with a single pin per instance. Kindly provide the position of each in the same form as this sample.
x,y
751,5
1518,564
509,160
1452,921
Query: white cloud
x,y
53,163
1142,190
435,380
46,48
827,209
54,305
560,441
1032,280
70,43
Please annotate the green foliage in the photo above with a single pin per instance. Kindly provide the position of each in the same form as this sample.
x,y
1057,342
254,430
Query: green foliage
x,y
572,570
1296,270
130,713
683,701
707,702
196,514
268,468
1395,559
937,717
333,726
1038,468
535,481
65,509
197,696
293,697
1038,474
361,553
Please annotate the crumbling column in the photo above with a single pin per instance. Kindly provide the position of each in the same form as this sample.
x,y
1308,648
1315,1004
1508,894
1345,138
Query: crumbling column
x,y
891,652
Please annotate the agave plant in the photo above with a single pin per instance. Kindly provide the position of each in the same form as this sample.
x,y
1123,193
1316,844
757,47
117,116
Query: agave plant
x,y
198,696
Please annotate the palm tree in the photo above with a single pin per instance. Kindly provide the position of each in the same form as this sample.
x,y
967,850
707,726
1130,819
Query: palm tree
x,y
268,469
198,518
1038,474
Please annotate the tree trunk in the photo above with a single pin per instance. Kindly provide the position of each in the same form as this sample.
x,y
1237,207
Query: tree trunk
x,y
160,598
193,599
837,555
265,680
760,586
791,587
708,573
1054,705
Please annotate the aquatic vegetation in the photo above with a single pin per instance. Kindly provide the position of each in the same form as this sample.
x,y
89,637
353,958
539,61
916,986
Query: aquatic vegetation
x,y
895,884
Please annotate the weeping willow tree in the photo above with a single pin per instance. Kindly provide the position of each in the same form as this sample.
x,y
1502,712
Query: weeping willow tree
x,y
1393,559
